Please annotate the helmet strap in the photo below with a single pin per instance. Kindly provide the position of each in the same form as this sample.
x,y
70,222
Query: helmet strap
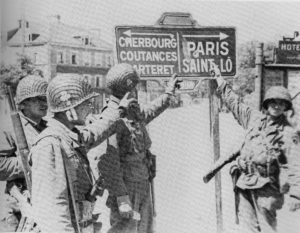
x,y
71,115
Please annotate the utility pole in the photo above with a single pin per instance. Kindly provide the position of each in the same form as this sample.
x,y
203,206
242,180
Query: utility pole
x,y
259,79
215,136
23,25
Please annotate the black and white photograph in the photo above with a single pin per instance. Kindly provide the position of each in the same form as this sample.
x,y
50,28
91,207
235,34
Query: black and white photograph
x,y
158,116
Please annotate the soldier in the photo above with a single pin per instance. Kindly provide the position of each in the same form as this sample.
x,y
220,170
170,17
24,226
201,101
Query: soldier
x,y
264,171
125,165
61,174
121,79
32,106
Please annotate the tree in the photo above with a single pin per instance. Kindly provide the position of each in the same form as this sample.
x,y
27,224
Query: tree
x,y
246,73
11,74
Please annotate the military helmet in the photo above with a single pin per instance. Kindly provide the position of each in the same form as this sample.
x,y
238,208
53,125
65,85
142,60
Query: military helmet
x,y
277,92
29,87
68,91
121,78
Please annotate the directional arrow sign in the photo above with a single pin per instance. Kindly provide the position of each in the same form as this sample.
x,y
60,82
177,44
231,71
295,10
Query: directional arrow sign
x,y
221,36
129,33
189,52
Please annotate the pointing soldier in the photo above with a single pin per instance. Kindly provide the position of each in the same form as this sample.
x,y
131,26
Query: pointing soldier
x,y
32,106
265,169
125,165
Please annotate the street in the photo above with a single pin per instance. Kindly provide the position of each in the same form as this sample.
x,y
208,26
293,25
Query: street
x,y
184,204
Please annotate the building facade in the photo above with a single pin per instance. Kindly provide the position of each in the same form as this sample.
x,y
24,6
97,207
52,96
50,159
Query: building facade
x,y
57,48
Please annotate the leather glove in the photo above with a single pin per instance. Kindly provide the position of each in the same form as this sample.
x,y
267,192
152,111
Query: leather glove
x,y
124,206
293,203
126,102
173,84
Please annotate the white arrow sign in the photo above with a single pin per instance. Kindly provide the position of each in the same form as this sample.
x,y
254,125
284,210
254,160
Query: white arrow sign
x,y
221,36
129,33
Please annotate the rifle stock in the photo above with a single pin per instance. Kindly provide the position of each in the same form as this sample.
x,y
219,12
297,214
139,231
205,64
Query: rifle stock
x,y
20,138
219,165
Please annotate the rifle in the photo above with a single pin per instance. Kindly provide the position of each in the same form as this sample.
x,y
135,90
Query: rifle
x,y
20,138
23,153
219,165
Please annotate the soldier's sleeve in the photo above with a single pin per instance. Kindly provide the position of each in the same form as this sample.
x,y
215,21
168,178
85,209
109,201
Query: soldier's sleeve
x,y
10,166
156,107
293,168
94,134
241,112
50,198
110,167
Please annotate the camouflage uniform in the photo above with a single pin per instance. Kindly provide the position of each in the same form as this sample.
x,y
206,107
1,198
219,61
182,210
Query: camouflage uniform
x,y
123,162
262,169
10,166
133,143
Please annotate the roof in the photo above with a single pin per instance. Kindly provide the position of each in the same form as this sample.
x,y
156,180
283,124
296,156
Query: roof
x,y
57,33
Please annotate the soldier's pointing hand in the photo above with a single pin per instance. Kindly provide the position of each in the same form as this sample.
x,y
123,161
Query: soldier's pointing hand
x,y
126,101
173,84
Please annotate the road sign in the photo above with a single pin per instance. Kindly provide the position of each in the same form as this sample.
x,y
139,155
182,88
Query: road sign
x,y
288,52
161,52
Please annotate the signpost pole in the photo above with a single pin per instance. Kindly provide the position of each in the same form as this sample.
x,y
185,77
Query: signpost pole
x,y
215,136
259,67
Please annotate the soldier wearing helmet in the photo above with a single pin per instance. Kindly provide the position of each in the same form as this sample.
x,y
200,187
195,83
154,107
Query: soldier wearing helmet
x,y
61,174
264,171
32,105
123,162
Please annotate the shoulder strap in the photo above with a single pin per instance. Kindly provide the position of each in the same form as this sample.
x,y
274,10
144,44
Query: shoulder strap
x,y
70,187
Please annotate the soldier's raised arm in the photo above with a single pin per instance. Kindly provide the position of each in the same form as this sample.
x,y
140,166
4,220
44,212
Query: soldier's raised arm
x,y
157,106
243,113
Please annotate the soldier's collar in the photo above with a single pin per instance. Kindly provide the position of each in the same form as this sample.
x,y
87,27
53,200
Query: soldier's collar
x,y
27,120
279,121
69,135
114,99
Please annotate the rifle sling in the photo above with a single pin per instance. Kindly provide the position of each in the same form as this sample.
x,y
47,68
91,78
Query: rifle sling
x,y
70,187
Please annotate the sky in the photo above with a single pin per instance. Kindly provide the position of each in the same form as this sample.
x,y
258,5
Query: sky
x,y
262,21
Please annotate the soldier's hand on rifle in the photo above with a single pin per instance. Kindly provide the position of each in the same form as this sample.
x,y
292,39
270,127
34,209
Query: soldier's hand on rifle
x,y
173,84
124,206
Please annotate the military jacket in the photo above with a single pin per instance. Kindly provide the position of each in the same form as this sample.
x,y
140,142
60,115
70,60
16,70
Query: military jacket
x,y
50,195
10,166
133,141
266,154
112,163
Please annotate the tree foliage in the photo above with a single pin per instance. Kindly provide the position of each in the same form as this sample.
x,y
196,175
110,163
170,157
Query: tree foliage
x,y
246,71
10,75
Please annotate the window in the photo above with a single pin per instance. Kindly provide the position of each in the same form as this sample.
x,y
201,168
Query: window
x,y
98,59
107,58
86,56
60,57
35,58
100,81
74,58
85,40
